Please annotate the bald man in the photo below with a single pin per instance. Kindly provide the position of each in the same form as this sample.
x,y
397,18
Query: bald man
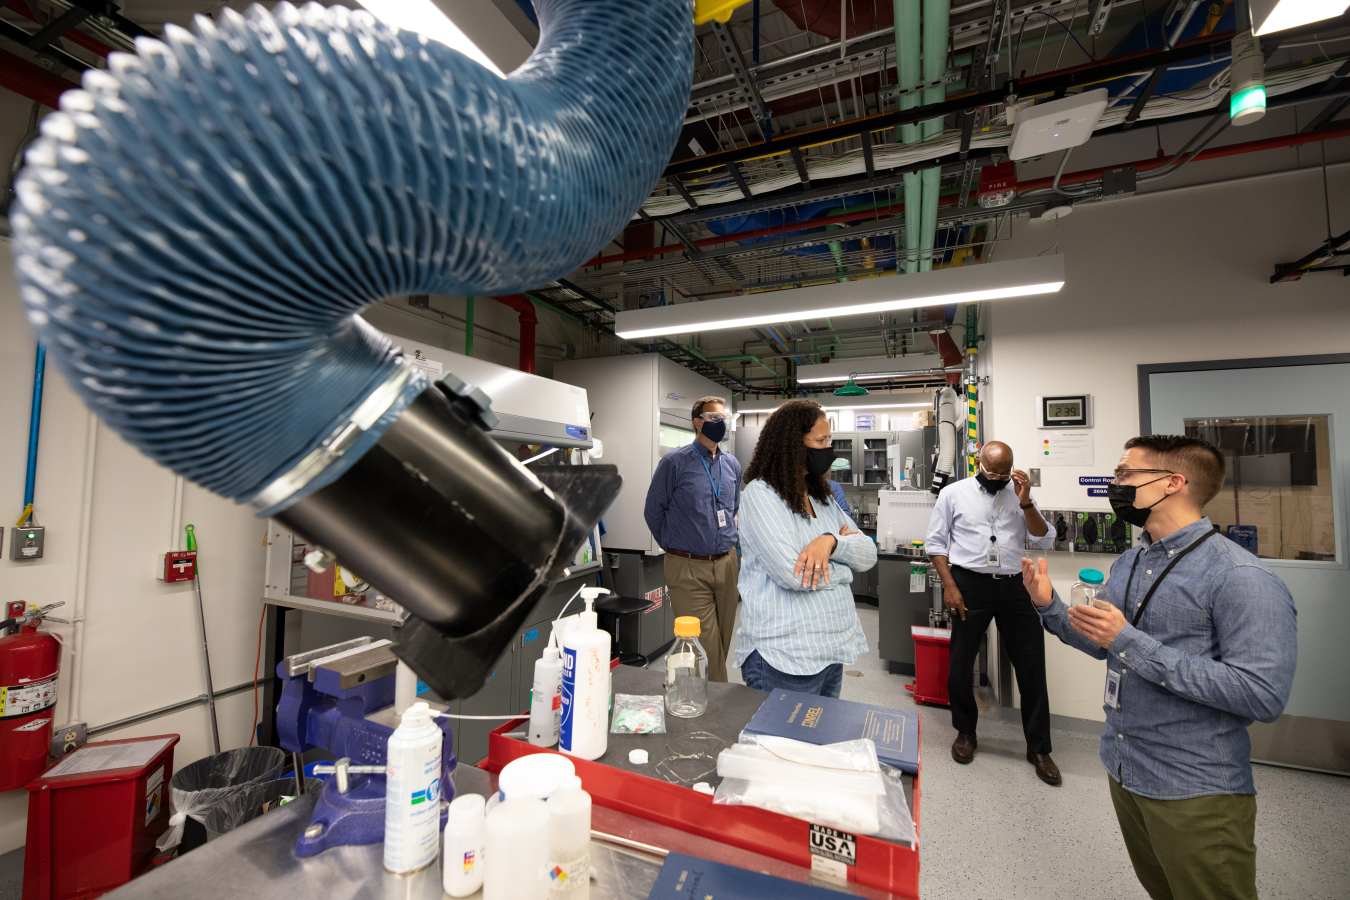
x,y
976,539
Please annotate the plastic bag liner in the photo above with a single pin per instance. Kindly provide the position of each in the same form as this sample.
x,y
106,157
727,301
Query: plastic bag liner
x,y
840,785
218,782
248,803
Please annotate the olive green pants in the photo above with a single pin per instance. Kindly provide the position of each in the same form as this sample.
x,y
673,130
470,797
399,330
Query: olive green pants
x,y
1202,848
706,589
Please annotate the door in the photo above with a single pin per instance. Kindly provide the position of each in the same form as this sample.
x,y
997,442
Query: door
x,y
1284,426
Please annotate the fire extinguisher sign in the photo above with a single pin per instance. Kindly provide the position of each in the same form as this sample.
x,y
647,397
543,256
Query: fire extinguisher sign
x,y
23,699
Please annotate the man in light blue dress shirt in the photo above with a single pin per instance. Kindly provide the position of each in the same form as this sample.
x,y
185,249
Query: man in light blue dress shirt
x,y
976,537
1200,639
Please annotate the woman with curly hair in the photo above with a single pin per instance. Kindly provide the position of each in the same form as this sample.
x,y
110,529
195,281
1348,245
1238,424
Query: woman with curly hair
x,y
799,551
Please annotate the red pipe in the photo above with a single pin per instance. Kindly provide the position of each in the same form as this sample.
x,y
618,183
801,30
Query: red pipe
x,y
1143,165
32,81
521,304
93,45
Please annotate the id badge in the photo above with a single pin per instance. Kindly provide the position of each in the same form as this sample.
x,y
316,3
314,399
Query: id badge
x,y
721,518
1112,697
991,558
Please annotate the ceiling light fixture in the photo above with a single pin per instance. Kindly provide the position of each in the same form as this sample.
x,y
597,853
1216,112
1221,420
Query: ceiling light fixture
x,y
875,368
828,407
1277,15
426,18
969,284
851,388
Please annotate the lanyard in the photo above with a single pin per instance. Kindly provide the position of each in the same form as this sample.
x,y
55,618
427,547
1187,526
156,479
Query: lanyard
x,y
1149,596
992,514
717,491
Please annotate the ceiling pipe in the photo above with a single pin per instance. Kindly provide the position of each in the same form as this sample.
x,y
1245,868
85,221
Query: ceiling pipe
x,y
93,45
528,320
936,14
32,81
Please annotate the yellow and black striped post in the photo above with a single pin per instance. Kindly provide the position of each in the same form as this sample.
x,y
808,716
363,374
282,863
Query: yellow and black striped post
x,y
972,422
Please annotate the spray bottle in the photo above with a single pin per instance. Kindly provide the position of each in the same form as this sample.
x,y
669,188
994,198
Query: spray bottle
x,y
545,698
412,800
584,729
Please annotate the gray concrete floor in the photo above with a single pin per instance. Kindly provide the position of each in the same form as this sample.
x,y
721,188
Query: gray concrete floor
x,y
992,830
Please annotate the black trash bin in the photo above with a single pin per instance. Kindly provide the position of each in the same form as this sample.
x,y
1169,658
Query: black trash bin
x,y
222,782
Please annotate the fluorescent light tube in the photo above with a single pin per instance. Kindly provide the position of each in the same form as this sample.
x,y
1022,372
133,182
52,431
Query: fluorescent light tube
x,y
832,408
869,368
1277,15
969,284
425,18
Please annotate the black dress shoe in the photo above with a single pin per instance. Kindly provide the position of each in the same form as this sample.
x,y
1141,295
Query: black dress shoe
x,y
1046,770
963,750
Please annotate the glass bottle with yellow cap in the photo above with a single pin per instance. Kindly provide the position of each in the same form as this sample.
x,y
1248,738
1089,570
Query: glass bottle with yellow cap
x,y
686,671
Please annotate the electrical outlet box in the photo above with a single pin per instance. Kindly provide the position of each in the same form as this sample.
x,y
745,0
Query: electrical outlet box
x,y
68,738
1057,125
177,566
26,544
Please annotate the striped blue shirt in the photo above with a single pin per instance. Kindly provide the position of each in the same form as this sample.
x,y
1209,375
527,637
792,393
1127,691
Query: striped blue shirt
x,y
797,630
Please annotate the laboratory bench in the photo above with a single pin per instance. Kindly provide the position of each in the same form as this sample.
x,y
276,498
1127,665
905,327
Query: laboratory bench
x,y
258,859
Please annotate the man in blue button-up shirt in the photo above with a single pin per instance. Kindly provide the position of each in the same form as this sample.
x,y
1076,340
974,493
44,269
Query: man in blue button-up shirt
x,y
691,511
1213,649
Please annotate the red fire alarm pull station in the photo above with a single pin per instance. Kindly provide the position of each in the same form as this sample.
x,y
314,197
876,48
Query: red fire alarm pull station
x,y
180,565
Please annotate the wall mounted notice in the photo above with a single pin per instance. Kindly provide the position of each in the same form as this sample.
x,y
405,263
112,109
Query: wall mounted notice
x,y
1066,448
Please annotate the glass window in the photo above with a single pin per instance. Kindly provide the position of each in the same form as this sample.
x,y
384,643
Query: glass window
x,y
1276,496
673,438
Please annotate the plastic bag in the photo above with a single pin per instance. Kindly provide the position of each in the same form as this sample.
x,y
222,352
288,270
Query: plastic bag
x,y
225,782
812,782
638,714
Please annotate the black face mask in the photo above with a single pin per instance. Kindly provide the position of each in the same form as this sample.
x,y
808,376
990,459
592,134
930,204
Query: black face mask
x,y
715,431
818,461
1122,496
991,485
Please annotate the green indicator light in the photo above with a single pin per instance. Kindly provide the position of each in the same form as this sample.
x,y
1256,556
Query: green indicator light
x,y
1247,102
31,535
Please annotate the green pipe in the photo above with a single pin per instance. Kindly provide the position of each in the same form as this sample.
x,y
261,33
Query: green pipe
x,y
468,326
936,19
907,70
738,357
837,247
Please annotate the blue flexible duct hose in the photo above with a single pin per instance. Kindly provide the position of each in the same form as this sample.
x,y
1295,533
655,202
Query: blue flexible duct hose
x,y
200,226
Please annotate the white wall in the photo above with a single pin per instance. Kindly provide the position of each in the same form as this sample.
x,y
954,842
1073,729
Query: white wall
x,y
1166,278
140,648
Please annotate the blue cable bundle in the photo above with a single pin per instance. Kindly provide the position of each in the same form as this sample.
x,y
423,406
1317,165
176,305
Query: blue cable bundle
x,y
201,224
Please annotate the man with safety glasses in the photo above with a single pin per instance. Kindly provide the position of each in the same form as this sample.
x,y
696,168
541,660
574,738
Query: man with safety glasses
x,y
691,511
976,537
1200,640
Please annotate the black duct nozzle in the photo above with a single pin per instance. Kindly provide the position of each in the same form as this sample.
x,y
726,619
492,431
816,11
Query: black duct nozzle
x,y
442,520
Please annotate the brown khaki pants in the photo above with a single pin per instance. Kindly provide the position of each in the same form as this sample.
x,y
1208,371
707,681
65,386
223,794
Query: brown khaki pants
x,y
706,589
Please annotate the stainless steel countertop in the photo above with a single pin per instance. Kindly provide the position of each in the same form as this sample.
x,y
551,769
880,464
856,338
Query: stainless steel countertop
x,y
258,861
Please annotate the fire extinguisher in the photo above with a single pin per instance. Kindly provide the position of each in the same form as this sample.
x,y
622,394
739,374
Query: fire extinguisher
x,y
29,664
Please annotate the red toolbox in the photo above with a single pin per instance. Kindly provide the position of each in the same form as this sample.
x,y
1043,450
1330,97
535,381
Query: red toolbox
x,y
94,817
879,864
932,653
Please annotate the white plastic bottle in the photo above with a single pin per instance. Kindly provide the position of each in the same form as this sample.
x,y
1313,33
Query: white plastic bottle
x,y
465,841
584,729
546,696
517,849
569,842
412,800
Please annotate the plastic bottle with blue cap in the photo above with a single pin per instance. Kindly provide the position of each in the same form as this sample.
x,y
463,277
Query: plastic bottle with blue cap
x,y
1087,588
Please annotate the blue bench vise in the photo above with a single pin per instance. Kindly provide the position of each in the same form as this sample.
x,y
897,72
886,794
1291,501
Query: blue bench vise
x,y
341,699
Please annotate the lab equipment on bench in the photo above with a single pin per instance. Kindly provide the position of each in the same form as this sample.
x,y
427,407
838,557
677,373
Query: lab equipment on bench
x,y
1086,588
569,842
465,845
687,671
546,695
341,699
412,799
583,730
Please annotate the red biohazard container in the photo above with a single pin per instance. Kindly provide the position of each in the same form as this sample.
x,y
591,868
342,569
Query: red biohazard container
x,y
932,651
94,817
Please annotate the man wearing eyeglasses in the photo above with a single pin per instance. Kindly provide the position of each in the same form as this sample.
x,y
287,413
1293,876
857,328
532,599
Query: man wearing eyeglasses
x,y
691,511
1200,639
976,536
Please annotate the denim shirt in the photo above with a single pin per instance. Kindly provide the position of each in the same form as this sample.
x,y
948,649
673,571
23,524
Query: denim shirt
x,y
1214,650
688,487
